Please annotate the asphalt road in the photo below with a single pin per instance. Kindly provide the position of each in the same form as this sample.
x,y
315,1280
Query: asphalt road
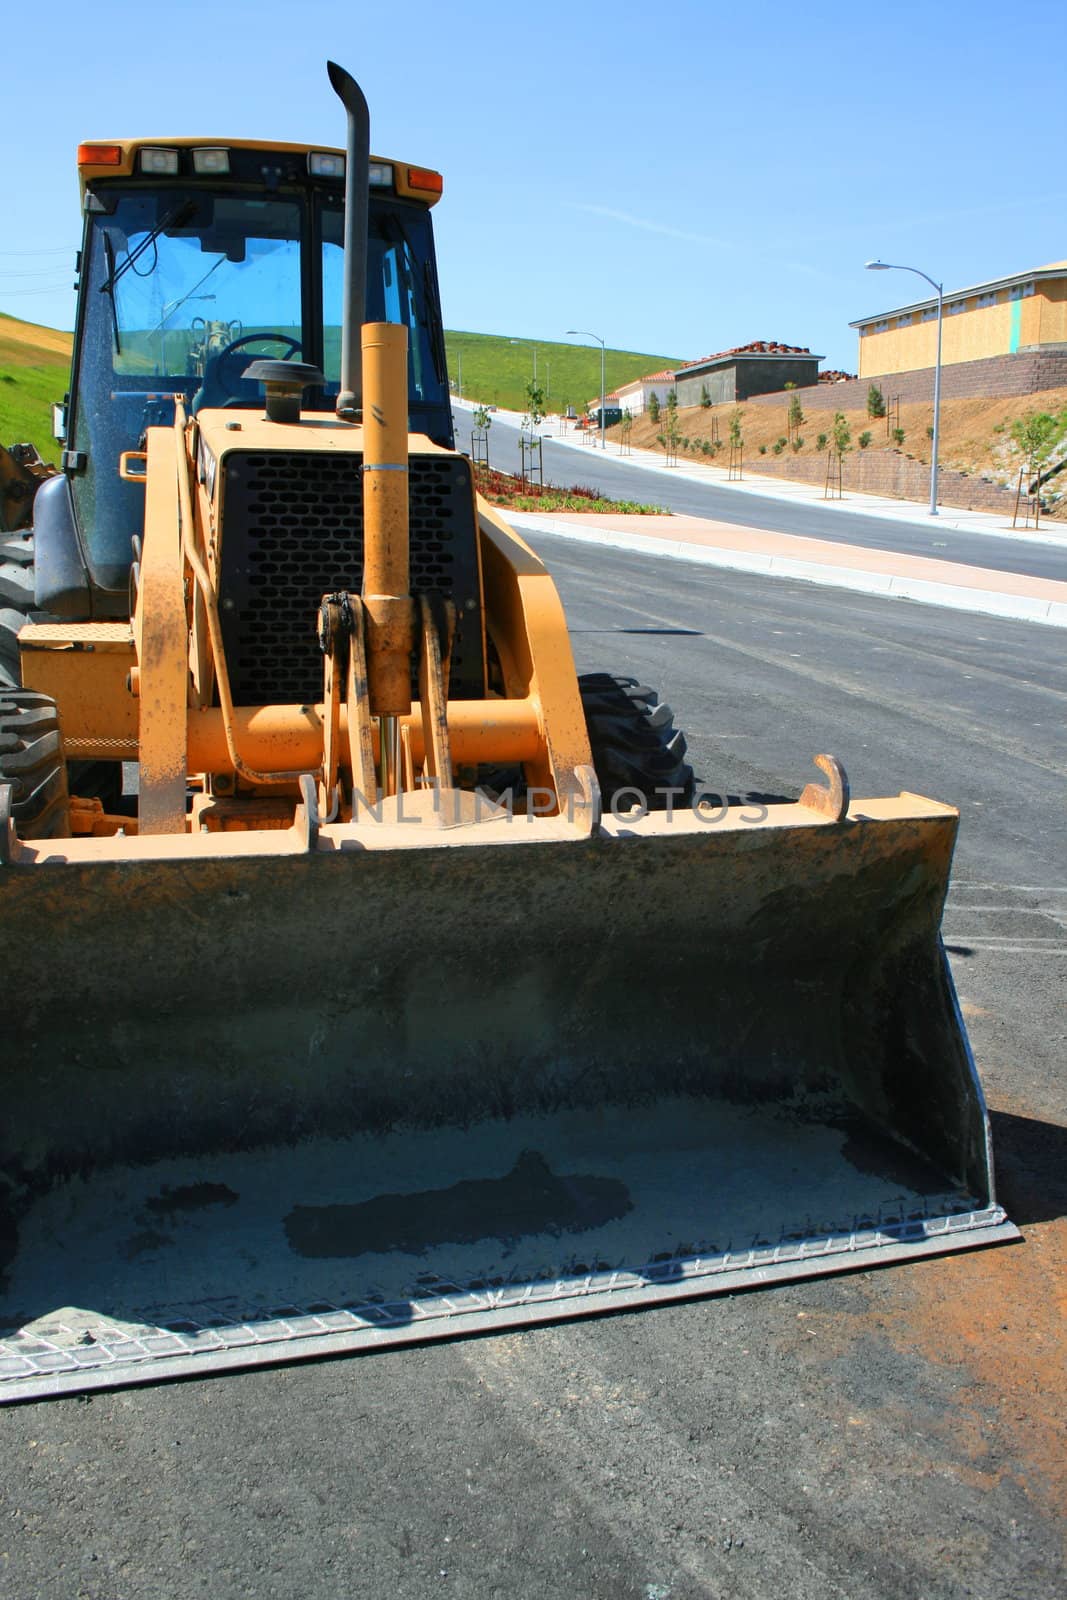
x,y
623,480
894,1435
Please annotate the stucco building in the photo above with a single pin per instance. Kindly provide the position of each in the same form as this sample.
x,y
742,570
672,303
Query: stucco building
x,y
1019,315
633,396
762,367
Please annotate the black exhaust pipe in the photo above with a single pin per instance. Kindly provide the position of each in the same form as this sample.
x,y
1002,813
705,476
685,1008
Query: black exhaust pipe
x,y
357,202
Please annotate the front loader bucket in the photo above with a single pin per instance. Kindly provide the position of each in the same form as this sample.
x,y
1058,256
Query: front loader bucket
x,y
272,1096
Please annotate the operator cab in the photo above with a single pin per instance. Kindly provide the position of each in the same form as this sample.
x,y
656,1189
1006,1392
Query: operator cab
x,y
199,260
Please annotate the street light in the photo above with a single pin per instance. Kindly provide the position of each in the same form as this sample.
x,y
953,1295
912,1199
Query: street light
x,y
889,266
525,341
168,311
584,334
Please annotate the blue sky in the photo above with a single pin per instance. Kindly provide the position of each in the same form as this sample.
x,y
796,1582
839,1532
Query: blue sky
x,y
678,177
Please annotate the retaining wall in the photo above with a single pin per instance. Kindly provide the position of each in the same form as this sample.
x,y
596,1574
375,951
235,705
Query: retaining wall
x,y
1024,373
890,472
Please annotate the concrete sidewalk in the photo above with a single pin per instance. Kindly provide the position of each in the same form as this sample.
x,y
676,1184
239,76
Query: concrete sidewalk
x,y
842,566
907,512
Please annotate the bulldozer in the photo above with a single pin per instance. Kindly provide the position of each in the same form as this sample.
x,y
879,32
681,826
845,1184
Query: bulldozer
x,y
372,977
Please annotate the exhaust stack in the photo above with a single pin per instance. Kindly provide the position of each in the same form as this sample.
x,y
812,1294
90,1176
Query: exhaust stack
x,y
357,201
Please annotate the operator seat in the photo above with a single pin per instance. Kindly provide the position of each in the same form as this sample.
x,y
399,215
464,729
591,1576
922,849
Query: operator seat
x,y
213,392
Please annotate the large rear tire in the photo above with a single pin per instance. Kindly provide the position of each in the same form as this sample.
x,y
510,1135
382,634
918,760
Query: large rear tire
x,y
634,741
16,601
92,779
31,762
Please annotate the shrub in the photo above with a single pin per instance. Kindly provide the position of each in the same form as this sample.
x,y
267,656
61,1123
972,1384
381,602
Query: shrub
x,y
535,405
822,441
875,401
653,407
705,397
798,444
864,440
842,434
1036,435
763,449
898,436
930,432
778,447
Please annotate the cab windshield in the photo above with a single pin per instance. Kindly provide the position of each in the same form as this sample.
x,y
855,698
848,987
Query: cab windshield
x,y
182,290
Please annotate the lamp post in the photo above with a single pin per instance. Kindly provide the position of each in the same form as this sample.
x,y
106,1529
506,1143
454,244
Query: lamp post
x,y
526,341
890,266
168,311
584,334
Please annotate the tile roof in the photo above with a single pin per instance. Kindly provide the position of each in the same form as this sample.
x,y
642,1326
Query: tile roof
x,y
758,347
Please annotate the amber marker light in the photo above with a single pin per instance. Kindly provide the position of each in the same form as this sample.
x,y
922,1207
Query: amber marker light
x,y
422,178
99,155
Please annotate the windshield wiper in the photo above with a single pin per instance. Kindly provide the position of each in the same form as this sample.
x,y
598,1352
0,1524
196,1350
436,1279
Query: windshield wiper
x,y
109,252
173,219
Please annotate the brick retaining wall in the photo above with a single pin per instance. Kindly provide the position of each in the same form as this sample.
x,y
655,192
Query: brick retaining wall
x,y
1024,373
890,472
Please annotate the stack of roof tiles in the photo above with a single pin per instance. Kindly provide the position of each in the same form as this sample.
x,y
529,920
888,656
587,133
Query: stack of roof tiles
x,y
758,347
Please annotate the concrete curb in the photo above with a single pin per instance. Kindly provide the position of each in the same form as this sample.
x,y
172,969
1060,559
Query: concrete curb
x,y
983,602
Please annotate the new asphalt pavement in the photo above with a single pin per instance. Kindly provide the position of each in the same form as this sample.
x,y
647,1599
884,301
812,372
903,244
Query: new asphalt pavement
x,y
888,1435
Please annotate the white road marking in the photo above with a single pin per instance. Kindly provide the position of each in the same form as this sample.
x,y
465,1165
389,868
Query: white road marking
x,y
1012,888
1035,947
1014,911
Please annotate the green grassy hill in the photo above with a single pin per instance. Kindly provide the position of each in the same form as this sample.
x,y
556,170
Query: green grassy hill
x,y
496,369
35,369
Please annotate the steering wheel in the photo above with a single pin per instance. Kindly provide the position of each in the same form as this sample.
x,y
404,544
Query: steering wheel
x,y
225,376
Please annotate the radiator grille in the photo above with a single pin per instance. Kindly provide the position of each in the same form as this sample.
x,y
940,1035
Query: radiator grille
x,y
293,529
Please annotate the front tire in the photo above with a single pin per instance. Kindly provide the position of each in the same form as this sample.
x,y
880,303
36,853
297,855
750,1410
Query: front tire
x,y
32,765
634,741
